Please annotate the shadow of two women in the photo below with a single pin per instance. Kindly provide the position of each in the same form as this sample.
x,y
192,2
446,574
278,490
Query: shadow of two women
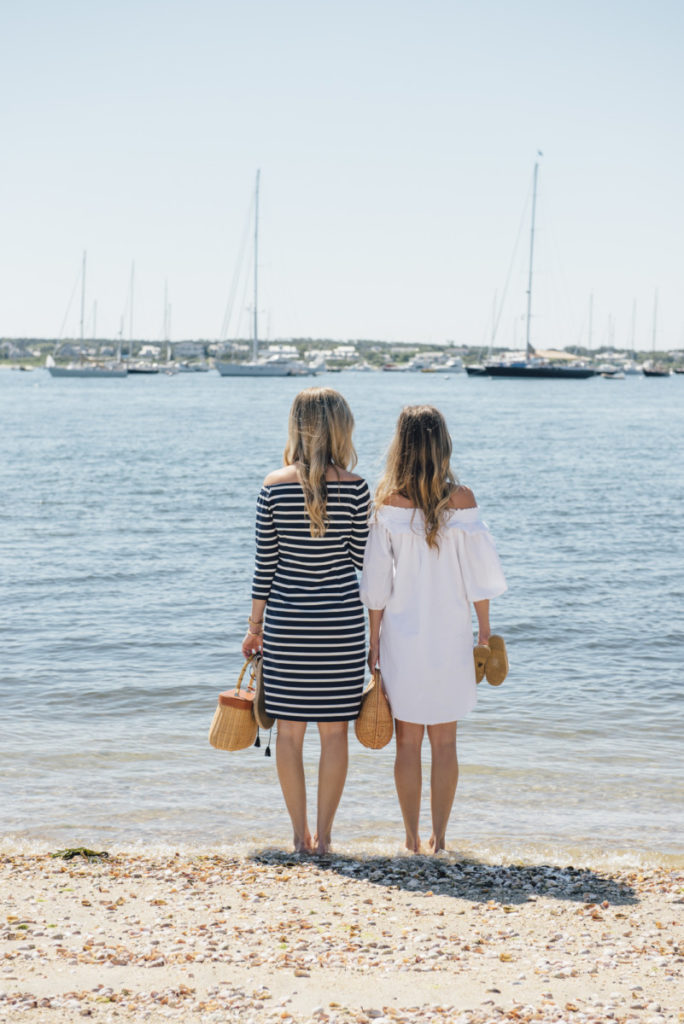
x,y
467,879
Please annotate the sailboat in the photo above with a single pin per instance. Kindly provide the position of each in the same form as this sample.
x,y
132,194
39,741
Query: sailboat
x,y
655,369
82,369
275,365
533,364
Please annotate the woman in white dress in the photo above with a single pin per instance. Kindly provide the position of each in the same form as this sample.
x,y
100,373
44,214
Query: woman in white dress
x,y
429,556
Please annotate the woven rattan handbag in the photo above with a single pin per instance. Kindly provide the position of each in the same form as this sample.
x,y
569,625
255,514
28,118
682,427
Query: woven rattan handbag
x,y
374,727
234,726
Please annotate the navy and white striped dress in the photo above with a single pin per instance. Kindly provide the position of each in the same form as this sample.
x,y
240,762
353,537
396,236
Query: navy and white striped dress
x,y
314,629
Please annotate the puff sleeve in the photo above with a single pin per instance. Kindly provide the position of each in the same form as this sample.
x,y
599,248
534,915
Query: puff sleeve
x,y
378,568
481,570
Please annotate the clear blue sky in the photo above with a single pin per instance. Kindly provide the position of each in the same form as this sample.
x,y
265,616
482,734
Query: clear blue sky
x,y
396,142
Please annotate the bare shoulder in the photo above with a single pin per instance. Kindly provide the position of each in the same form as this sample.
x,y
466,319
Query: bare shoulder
x,y
284,475
397,500
462,497
337,473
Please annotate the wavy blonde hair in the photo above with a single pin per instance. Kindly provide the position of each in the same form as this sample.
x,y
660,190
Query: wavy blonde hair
x,y
418,467
319,436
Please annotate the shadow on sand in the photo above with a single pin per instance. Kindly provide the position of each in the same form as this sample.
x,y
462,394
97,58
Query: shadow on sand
x,y
466,879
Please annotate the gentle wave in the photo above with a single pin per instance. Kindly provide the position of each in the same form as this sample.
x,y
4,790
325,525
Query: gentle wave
x,y
126,548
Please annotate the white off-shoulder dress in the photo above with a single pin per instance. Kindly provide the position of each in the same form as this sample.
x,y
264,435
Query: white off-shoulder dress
x,y
426,637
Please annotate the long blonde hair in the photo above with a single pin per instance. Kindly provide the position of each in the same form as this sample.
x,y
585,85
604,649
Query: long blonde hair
x,y
319,435
418,467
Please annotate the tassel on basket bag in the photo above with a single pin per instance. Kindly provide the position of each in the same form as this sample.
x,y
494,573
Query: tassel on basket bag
x,y
375,726
234,726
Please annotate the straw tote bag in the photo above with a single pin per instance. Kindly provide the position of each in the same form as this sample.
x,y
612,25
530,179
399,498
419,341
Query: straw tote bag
x,y
234,726
374,727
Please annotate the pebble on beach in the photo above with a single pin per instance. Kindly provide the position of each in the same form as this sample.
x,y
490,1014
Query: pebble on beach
x,y
273,937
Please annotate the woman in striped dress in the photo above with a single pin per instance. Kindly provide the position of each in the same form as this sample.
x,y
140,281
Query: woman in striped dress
x,y
311,530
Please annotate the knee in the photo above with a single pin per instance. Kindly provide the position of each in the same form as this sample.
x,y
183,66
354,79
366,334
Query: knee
x,y
409,740
289,739
443,746
333,732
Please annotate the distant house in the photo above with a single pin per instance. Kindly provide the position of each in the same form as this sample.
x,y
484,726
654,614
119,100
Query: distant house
x,y
280,349
68,350
342,353
8,350
188,349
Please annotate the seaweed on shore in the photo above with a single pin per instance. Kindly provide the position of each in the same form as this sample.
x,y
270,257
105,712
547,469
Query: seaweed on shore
x,y
80,851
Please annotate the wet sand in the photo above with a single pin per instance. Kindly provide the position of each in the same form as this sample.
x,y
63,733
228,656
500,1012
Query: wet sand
x,y
272,937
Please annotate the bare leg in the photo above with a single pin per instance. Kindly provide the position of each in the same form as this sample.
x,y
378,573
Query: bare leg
x,y
289,743
332,772
408,778
443,780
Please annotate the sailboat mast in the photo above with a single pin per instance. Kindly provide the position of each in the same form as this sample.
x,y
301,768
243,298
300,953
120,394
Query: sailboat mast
x,y
130,313
655,318
167,331
633,333
493,334
83,285
528,347
255,342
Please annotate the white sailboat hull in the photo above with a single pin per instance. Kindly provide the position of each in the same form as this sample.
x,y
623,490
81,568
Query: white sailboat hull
x,y
258,369
253,369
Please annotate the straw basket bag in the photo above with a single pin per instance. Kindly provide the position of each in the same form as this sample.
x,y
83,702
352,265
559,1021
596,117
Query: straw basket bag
x,y
234,726
491,659
374,727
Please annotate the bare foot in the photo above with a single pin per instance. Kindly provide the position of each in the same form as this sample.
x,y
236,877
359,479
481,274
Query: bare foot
x,y
321,846
437,846
303,844
414,845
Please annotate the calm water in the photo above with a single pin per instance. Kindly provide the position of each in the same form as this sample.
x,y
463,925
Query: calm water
x,y
126,514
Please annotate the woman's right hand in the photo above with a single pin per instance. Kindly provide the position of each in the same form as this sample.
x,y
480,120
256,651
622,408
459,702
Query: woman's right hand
x,y
373,656
252,644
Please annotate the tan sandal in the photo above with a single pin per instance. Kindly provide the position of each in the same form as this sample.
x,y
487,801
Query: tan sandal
x,y
481,654
496,667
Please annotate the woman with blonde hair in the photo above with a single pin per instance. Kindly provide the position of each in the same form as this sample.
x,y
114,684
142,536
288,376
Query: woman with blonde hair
x,y
429,555
311,530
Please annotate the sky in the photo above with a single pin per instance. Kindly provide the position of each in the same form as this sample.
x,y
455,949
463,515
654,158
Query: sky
x,y
396,143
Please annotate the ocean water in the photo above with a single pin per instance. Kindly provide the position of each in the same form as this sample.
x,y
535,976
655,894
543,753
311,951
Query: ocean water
x,y
126,544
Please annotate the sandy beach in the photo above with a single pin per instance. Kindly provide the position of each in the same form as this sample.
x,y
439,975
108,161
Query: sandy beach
x,y
272,937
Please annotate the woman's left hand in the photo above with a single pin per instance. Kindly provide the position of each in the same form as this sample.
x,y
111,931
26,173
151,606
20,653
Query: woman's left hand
x,y
252,644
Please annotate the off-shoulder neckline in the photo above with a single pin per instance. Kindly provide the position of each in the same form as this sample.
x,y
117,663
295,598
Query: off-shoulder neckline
x,y
473,510
295,483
